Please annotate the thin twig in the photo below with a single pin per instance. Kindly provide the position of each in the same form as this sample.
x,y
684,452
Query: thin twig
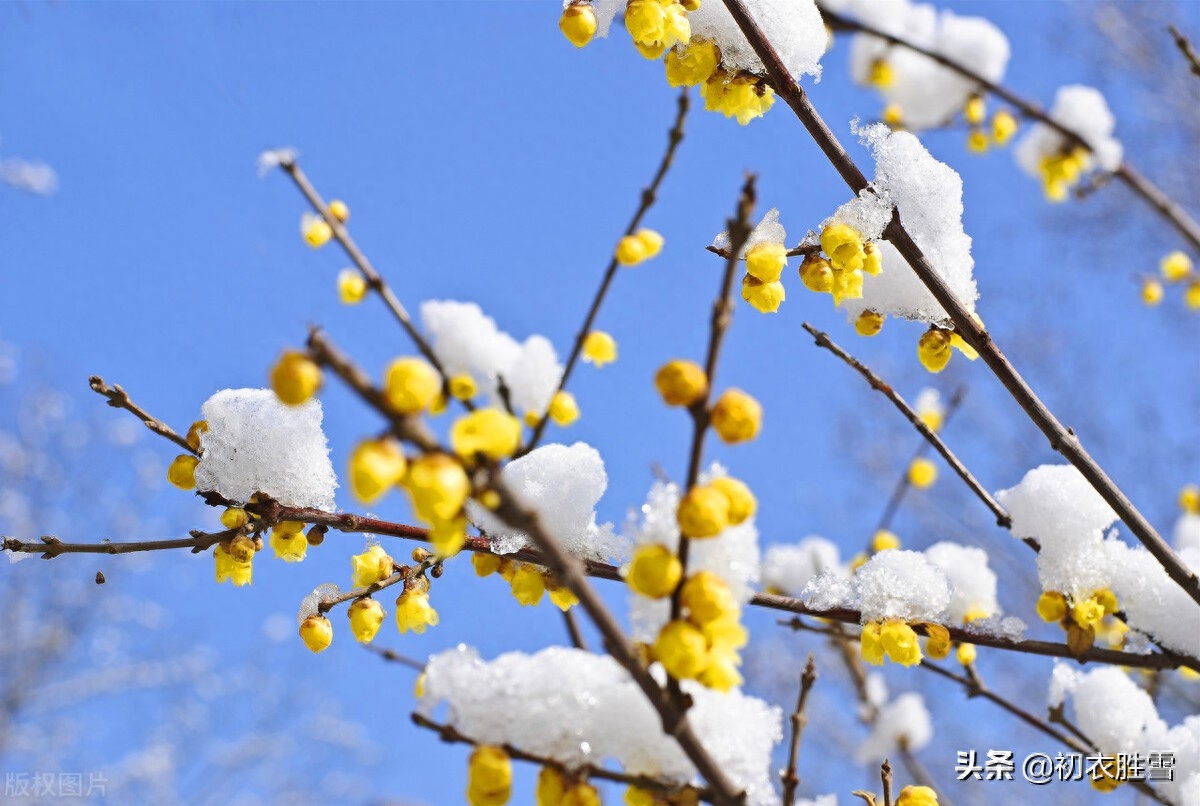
x,y
1062,439
118,398
649,195
403,575
791,779
573,630
395,657
1185,47
1176,215
50,547
885,775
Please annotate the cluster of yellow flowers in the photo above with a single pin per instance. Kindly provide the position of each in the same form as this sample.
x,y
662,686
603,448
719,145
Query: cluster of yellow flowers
x,y
1083,619
896,640
937,345
556,789
1003,126
1062,171
527,581
703,645
736,416
840,271
660,30
639,247
761,287
316,230
1176,268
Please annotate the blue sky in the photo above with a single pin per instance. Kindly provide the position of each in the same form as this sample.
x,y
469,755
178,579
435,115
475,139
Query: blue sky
x,y
485,159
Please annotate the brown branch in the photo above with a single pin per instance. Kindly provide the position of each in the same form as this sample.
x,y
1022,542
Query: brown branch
x,y
803,249
573,630
885,775
118,398
1062,439
1155,197
649,195
1185,47
791,779
395,657
451,735
50,547
404,574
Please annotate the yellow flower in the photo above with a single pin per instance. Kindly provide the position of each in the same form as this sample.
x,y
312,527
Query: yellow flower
x,y
316,632
375,465
1004,126
966,654
1191,296
234,518
578,23
917,796
884,540
744,98
934,349
707,598
1152,291
641,246
682,649
766,261
1175,266
194,431
489,777
922,473
239,573
654,571
491,432
846,285
462,387
871,643
438,486
938,645
1052,606
485,564
656,25
977,141
742,503
411,385
295,378
550,786
893,115
693,63
352,286
1189,499
868,323
703,512
561,596
581,794
288,541
737,417
599,348
900,642
1107,600
681,383
315,230
413,611
373,565
1087,612
872,259
563,408
1104,775
366,616
975,110
764,297
640,797
448,536
816,274
339,210
528,584
881,75
182,471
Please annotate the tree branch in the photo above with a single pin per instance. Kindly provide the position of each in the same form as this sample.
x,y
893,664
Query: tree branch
x,y
791,778
118,398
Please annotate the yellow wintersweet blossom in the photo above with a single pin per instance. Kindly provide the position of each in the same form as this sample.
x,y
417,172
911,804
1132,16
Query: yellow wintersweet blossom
x,y
816,274
938,644
234,518
295,378
411,385
239,572
742,503
893,115
741,97
288,541
366,616
736,417
1004,127
639,247
373,565
1191,296
448,536
463,387
550,787
182,471
1189,499
707,598
900,642
563,408
654,571
561,596
352,286
528,584
485,564
722,673
977,141
846,285
194,431
922,473
413,611
702,512
917,796
975,110
578,23
693,63
438,486
581,794
872,259
763,297
375,466
1107,600
681,383
1152,292
1175,266
1087,612
682,649
880,74
491,432
766,261
1052,606
315,230
884,540
656,25
868,323
489,777
934,349
843,245
599,348
316,632
871,643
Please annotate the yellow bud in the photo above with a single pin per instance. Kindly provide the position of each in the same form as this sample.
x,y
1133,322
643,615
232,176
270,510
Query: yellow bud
x,y
375,466
599,348
1175,266
193,435
339,210
581,794
722,672
742,503
690,5
489,777
977,141
413,611
846,285
1191,296
917,796
561,596
315,230
288,541
295,378
816,274
938,644
528,584
641,246
1080,638
316,632
707,598
438,485
868,323
563,408
448,536
966,654
884,540
411,385
681,383
234,518
934,349
975,110
693,63
1152,292
550,787
366,617
764,297
703,512
639,797
893,116
766,261
1004,126
682,650
578,23
1189,499
373,565
872,259
736,417
182,471
227,568
241,549
491,432
844,246
352,286
1052,606
900,642
485,564
654,571
922,473
881,75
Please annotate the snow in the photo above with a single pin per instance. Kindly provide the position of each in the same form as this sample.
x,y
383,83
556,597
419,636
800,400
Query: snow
x,y
786,569
768,230
1082,110
563,484
254,444
892,584
972,581
581,708
1187,532
905,716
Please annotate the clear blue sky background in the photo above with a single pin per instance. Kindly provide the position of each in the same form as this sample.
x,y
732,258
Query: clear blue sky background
x,y
485,159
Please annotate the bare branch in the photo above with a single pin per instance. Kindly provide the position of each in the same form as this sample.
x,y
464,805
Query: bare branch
x,y
118,398
791,778
1185,47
